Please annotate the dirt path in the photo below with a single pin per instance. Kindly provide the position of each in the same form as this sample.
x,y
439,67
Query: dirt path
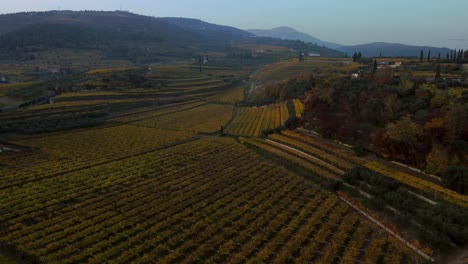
x,y
304,154
411,246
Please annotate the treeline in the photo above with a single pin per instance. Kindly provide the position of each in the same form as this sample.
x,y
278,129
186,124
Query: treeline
x,y
408,120
441,224
458,56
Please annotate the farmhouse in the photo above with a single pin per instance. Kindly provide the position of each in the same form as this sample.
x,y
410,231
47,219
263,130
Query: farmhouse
x,y
389,64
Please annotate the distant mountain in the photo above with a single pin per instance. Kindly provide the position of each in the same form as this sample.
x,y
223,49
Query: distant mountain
x,y
292,34
392,49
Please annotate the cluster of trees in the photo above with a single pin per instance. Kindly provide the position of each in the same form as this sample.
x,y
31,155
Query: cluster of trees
x,y
356,56
440,224
283,90
409,121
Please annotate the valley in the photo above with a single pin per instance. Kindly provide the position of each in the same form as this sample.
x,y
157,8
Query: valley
x,y
121,157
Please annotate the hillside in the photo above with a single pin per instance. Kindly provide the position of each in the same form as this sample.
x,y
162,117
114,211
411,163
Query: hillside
x,y
392,50
292,34
124,35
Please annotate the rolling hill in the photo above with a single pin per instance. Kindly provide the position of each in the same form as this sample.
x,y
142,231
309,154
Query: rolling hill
x,y
292,34
367,49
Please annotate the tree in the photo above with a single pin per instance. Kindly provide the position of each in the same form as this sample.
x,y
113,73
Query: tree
x,y
374,69
429,55
454,121
456,178
200,62
437,75
301,56
437,160
404,130
421,56
448,56
355,57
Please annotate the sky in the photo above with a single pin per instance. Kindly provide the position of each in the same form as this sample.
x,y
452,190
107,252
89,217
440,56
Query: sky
x,y
439,23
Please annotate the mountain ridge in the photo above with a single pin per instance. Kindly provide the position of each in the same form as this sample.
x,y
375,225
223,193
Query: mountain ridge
x,y
118,34
375,49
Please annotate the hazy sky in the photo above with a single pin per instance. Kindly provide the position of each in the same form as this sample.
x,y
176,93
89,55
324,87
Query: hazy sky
x,y
417,22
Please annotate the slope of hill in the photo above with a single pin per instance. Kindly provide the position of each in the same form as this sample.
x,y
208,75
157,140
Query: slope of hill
x,y
207,29
231,35
392,49
123,35
292,34
115,34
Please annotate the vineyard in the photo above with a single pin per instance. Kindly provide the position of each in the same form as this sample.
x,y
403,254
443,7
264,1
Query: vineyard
x,y
209,200
251,121
170,164
53,154
329,162
290,68
205,118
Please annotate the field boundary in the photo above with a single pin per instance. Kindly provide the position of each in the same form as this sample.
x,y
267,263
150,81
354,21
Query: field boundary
x,y
50,176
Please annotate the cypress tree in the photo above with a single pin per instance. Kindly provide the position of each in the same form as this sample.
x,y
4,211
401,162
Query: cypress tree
x,y
421,56
447,56
437,75
429,55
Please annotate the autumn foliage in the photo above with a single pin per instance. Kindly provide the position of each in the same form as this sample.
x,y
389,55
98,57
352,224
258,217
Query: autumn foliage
x,y
402,119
